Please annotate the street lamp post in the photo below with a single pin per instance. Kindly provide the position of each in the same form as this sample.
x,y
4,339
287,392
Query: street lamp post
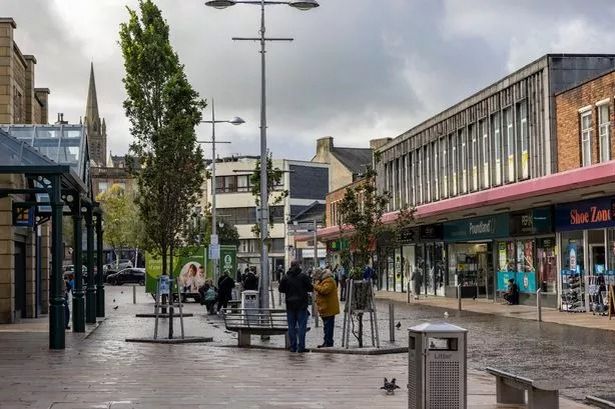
x,y
235,121
264,196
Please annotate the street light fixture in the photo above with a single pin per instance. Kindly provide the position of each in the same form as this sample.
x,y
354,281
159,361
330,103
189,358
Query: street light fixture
x,y
264,196
234,121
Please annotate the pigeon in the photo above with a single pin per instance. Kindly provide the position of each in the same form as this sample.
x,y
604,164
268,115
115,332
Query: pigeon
x,y
398,325
389,387
116,307
445,315
121,292
114,300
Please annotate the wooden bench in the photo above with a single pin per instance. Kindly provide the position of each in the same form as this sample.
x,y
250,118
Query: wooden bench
x,y
255,321
510,389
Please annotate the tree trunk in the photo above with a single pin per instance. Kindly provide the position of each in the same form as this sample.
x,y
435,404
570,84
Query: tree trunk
x,y
165,299
360,337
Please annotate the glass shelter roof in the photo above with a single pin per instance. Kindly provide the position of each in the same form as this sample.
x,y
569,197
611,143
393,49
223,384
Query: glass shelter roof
x,y
62,144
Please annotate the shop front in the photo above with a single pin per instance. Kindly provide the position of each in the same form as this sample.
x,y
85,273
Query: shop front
x,y
417,263
586,235
528,256
470,248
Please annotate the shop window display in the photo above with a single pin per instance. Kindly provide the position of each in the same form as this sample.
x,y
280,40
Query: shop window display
x,y
469,264
516,261
547,265
573,270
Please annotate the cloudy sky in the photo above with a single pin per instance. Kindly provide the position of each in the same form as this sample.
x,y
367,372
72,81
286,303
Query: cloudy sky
x,y
357,70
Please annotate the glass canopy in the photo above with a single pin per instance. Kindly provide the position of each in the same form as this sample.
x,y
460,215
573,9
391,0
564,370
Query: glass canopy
x,y
62,143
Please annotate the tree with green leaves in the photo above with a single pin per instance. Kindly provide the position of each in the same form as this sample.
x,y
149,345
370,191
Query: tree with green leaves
x,y
163,110
361,209
198,230
274,180
121,215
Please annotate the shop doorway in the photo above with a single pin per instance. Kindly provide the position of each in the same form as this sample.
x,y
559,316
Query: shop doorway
x,y
597,258
20,280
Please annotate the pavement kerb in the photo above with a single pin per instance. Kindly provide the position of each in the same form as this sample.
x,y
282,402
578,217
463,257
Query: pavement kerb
x,y
523,312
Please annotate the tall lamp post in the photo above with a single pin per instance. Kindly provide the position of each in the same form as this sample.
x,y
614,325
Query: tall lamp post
x,y
214,236
264,196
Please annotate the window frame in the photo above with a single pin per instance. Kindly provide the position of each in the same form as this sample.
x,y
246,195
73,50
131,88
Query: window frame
x,y
604,131
586,136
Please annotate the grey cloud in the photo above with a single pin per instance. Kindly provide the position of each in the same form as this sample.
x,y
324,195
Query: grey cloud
x,y
358,69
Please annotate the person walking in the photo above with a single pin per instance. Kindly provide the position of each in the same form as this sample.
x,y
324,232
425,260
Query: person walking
x,y
69,284
343,278
225,289
296,285
327,303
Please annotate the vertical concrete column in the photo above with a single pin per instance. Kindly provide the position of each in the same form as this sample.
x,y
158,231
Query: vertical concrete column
x,y
31,274
45,267
29,89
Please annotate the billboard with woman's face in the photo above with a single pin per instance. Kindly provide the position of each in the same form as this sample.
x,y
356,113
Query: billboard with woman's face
x,y
191,277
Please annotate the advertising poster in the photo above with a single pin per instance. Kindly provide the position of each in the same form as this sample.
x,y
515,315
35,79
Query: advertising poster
x,y
526,281
503,277
187,265
228,260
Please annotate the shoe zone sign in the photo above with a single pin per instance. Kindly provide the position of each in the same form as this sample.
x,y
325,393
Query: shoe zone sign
x,y
589,214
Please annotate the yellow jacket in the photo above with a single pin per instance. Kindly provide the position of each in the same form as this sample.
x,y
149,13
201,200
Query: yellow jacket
x,y
326,296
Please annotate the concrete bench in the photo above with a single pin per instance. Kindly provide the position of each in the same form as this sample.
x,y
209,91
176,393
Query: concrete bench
x,y
255,321
510,389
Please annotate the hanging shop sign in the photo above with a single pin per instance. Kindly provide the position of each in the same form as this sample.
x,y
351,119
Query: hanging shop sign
x,y
337,245
478,228
431,232
588,214
531,222
409,235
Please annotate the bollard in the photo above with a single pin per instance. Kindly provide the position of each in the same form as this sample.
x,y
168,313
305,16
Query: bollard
x,y
315,313
391,322
408,291
134,294
539,304
459,297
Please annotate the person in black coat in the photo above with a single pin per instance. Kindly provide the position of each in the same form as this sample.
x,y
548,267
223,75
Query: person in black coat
x,y
225,288
250,281
296,285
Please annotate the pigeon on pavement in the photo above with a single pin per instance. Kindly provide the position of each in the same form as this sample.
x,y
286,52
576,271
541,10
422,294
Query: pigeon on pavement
x,y
115,308
398,325
389,387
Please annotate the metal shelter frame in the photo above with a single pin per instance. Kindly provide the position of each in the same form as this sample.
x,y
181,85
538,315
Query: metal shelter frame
x,y
54,189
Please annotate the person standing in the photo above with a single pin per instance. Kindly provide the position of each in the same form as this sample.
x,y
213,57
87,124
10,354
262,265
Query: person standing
x,y
225,288
296,285
343,278
327,303
69,284
250,281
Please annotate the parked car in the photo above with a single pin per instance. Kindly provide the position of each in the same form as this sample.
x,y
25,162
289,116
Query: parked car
x,y
70,269
127,276
118,265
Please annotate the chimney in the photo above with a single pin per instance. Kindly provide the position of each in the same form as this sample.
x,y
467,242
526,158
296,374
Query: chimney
x,y
42,94
324,145
61,120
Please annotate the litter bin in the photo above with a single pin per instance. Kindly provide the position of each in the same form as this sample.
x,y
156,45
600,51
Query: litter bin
x,y
249,300
437,371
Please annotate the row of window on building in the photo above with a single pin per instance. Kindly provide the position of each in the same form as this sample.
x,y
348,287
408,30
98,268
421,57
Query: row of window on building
x,y
602,110
253,245
238,184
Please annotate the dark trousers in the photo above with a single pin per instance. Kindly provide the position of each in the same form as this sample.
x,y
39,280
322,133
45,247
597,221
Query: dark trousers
x,y
343,291
209,304
328,326
66,313
222,302
297,324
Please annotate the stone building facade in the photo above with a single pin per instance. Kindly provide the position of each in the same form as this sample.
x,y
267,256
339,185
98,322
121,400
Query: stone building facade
x,y
22,294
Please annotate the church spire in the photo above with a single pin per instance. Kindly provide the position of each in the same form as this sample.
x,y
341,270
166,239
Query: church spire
x,y
91,108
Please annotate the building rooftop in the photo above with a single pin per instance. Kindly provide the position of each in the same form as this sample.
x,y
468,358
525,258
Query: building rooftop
x,y
355,159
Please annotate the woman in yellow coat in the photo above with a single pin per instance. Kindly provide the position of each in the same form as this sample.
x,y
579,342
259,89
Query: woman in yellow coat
x,y
327,303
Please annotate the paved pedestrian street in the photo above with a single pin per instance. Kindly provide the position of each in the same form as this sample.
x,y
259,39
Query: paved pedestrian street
x,y
101,370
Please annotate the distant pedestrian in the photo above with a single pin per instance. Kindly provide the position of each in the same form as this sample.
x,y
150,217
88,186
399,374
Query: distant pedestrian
x,y
417,279
68,290
343,281
210,299
225,290
296,286
327,303
512,295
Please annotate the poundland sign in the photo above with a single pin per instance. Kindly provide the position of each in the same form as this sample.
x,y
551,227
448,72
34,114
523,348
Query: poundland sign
x,y
488,227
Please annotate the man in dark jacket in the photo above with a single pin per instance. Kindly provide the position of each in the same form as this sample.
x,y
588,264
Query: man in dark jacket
x,y
296,286
225,288
250,281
